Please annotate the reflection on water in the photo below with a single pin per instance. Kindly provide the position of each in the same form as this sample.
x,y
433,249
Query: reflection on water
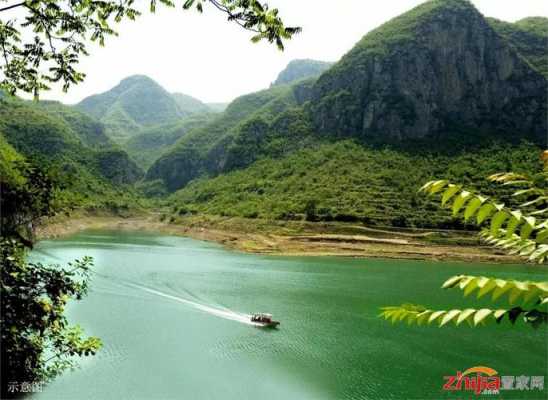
x,y
168,311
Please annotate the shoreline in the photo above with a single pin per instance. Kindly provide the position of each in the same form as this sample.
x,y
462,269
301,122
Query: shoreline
x,y
292,238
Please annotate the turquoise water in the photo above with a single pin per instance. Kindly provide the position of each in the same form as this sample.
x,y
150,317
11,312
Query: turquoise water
x,y
171,313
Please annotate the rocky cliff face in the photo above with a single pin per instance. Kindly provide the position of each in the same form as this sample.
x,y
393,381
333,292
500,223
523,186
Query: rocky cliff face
x,y
438,68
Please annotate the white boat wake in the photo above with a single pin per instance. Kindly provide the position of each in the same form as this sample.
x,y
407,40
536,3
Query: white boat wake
x,y
218,312
226,314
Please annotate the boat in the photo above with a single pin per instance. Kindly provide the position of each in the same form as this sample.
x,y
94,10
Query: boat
x,y
264,320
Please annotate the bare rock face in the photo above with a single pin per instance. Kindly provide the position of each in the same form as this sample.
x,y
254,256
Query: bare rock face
x,y
438,68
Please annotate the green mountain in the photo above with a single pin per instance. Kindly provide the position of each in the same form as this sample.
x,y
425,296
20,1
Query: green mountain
x,y
529,37
148,145
301,69
89,131
138,102
437,69
189,105
437,77
235,138
71,146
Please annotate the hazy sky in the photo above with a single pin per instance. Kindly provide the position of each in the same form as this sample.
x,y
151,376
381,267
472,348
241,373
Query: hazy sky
x,y
213,60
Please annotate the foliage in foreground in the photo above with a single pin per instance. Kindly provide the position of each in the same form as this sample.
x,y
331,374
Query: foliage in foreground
x,y
528,300
37,342
522,230
517,230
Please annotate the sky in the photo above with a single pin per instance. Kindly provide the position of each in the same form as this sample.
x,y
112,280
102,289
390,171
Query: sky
x,y
205,56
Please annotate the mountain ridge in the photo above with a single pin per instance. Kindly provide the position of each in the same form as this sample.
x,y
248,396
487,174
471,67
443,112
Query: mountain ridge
x,y
434,68
299,69
138,102
437,73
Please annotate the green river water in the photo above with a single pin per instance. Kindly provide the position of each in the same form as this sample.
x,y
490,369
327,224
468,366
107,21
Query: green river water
x,y
171,313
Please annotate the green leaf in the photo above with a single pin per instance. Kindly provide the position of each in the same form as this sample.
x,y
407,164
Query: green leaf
x,y
449,316
451,282
499,313
460,200
485,211
435,315
437,186
471,208
481,315
423,316
465,281
542,235
514,295
465,314
512,226
490,285
500,290
497,222
471,286
449,192
526,230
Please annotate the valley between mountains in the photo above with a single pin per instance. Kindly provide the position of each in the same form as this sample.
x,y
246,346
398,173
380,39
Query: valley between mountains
x,y
327,160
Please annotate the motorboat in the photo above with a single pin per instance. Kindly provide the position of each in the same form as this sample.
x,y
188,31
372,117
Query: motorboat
x,y
264,320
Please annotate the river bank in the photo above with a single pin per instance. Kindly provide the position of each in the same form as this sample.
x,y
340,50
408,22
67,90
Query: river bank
x,y
292,238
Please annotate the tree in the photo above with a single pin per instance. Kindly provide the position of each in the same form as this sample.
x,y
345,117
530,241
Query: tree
x,y
36,342
519,230
310,210
58,30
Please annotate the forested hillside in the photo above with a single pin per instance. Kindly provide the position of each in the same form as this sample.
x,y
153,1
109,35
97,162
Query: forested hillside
x,y
234,138
346,181
72,148
147,146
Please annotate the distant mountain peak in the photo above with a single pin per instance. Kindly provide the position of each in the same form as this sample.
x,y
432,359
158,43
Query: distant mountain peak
x,y
137,102
301,69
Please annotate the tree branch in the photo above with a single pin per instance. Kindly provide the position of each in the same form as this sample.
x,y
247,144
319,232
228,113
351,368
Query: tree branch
x,y
12,6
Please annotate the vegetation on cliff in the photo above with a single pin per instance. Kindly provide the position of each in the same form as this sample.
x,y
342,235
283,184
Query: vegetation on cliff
x,y
529,37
